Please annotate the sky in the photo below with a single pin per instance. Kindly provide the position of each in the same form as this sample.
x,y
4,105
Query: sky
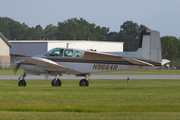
x,y
160,15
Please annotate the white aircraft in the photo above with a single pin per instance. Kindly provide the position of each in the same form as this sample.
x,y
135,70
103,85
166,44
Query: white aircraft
x,y
60,61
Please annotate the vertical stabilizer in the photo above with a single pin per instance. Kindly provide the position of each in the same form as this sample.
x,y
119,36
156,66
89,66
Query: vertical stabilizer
x,y
149,46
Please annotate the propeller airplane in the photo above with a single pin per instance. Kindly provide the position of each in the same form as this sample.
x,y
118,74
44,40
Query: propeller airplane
x,y
60,61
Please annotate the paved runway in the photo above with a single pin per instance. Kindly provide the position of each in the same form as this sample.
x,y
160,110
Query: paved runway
x,y
15,77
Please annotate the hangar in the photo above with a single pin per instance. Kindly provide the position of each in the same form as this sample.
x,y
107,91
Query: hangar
x,y
4,51
31,48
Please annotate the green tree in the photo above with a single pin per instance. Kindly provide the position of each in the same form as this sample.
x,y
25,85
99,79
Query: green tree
x,y
101,33
92,32
130,35
24,34
36,33
170,47
4,27
51,32
130,42
113,36
80,29
16,30
73,29
11,29
39,32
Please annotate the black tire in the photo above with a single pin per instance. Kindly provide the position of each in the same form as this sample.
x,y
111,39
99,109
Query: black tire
x,y
84,82
56,83
22,83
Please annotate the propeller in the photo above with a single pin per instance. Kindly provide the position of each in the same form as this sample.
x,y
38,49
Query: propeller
x,y
17,67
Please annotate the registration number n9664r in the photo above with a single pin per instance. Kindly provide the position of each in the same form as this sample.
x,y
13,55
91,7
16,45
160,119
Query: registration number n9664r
x,y
105,67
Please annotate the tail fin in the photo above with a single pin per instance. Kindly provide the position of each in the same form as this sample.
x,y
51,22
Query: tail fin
x,y
149,46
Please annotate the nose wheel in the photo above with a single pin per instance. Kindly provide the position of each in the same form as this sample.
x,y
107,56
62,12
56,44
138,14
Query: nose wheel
x,y
22,81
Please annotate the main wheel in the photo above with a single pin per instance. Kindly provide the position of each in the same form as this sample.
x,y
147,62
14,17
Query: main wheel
x,y
22,83
84,82
56,83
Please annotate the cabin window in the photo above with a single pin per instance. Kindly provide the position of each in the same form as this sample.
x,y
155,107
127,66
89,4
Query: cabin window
x,y
68,53
61,52
78,54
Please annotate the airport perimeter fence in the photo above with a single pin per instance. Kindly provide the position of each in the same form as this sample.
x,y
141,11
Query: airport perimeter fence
x,y
173,65
7,65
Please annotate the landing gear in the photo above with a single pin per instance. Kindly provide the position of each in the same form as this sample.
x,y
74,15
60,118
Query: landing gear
x,y
56,81
84,82
22,81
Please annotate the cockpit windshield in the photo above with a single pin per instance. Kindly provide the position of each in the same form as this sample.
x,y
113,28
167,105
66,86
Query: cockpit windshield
x,y
55,52
50,51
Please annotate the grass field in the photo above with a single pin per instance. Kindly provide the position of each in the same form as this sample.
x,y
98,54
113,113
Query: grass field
x,y
103,99
10,72
136,72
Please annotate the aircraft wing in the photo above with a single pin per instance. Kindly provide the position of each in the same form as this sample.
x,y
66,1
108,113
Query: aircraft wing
x,y
47,64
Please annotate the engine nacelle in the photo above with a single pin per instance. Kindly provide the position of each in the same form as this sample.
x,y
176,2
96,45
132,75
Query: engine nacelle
x,y
32,69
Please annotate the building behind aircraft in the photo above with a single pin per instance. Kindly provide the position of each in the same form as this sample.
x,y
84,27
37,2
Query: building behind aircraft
x,y
31,48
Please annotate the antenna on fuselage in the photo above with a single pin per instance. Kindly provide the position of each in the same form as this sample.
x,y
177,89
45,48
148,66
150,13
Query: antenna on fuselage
x,y
67,45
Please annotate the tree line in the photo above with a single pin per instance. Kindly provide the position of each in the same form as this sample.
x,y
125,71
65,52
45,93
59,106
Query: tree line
x,y
80,29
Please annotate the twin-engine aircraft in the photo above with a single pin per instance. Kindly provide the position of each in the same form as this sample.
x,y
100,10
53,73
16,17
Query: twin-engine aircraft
x,y
60,61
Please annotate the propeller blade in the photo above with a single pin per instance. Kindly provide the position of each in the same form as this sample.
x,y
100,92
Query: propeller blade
x,y
17,67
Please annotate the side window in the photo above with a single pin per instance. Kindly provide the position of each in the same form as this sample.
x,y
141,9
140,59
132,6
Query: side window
x,y
77,54
68,53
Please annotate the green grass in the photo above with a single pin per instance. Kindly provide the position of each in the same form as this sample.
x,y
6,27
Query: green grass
x,y
87,116
137,72
103,99
10,72
142,72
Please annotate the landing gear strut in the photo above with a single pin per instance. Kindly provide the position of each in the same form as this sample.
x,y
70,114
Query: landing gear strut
x,y
84,82
22,81
56,81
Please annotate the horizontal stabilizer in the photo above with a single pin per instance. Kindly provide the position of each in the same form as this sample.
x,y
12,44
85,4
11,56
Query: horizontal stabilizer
x,y
138,62
164,61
